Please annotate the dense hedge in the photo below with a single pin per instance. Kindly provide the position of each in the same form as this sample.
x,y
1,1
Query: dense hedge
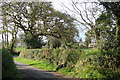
x,y
9,69
54,56
81,63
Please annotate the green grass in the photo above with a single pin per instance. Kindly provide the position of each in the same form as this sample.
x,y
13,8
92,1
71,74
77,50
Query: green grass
x,y
19,49
36,63
41,64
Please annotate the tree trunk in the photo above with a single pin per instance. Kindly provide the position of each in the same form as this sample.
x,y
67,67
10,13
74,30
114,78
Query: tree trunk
x,y
12,45
3,41
118,31
13,42
14,36
96,39
7,36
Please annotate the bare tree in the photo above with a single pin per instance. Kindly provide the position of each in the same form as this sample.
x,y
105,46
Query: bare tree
x,y
86,14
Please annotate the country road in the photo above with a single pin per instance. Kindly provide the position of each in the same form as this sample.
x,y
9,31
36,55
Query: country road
x,y
33,73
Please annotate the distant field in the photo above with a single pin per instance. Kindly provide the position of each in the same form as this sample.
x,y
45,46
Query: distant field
x,y
20,49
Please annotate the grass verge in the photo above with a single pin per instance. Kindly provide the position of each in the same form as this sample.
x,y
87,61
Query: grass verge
x,y
36,63
41,64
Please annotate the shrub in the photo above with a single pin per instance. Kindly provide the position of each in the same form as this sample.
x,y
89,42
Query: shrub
x,y
56,56
84,67
97,64
109,64
9,69
54,43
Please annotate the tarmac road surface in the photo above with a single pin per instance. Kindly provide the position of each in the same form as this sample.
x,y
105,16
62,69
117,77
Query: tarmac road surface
x,y
33,73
